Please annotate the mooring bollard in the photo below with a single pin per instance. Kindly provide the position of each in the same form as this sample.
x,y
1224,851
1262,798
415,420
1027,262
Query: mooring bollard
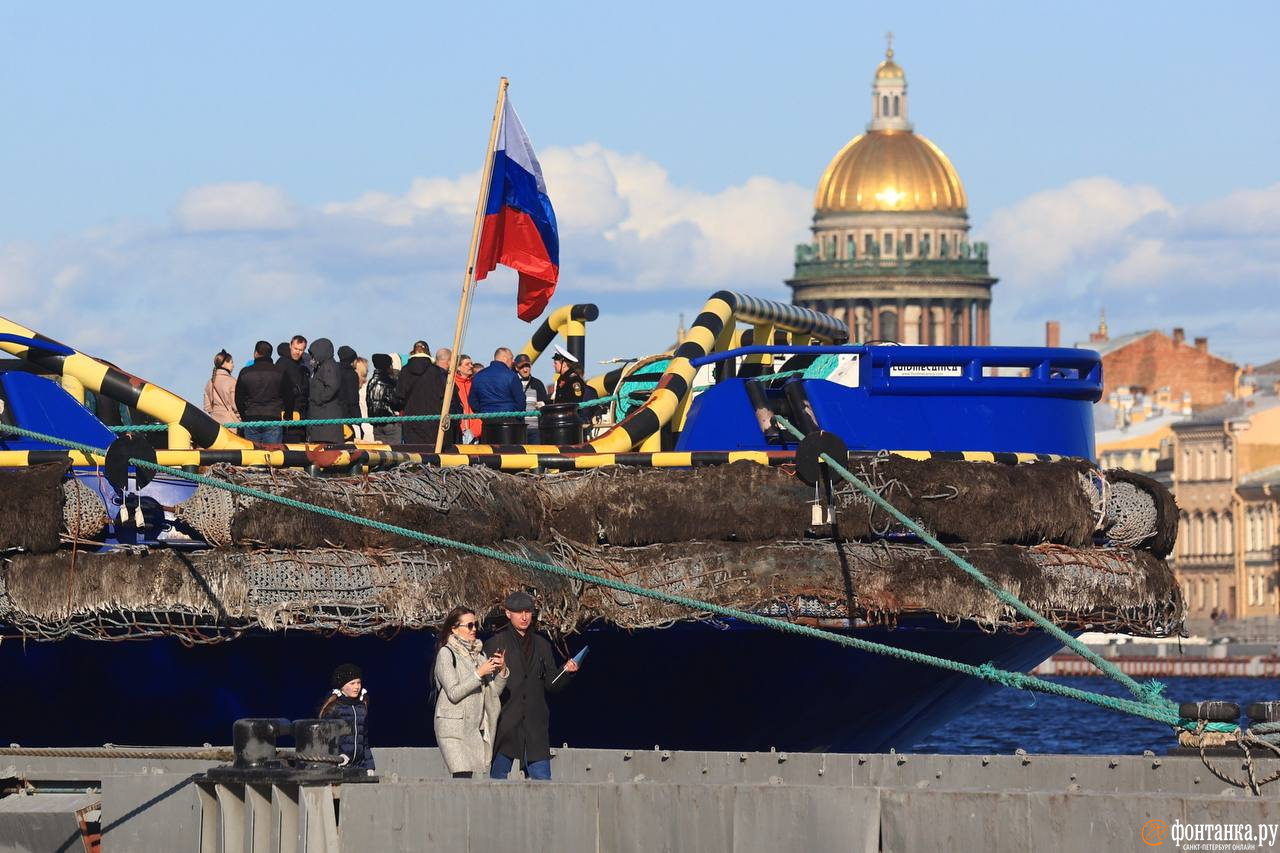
x,y
1203,713
1264,720
254,740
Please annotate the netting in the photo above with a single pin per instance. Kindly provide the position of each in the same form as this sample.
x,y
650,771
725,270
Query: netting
x,y
83,513
1131,515
214,595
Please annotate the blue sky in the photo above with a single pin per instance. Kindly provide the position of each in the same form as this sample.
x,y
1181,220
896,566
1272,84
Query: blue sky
x,y
182,170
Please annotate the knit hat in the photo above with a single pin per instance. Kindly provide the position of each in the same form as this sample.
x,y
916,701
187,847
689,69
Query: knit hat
x,y
344,673
381,361
346,354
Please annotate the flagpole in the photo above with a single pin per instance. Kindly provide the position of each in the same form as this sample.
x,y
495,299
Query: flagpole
x,y
469,277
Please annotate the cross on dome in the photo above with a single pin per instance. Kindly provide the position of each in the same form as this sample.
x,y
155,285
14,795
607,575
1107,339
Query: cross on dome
x,y
889,93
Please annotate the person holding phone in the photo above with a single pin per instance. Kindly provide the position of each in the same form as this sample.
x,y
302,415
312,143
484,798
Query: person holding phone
x,y
468,704
524,723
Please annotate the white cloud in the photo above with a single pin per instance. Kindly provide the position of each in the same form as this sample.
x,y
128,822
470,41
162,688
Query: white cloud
x,y
247,206
238,262
1212,268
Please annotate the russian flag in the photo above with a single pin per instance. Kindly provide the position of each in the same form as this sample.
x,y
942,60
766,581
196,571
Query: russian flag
x,y
519,225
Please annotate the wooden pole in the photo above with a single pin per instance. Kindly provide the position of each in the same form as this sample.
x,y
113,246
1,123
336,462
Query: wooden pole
x,y
469,277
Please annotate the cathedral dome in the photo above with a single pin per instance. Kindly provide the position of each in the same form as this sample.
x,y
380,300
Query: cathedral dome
x,y
888,68
890,170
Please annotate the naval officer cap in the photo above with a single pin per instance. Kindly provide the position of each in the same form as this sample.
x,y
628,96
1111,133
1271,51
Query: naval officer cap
x,y
564,355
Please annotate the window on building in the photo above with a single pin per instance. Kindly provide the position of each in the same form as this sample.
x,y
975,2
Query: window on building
x,y
850,248
888,244
1227,535
889,325
884,105
924,245
868,243
907,243
895,105
864,325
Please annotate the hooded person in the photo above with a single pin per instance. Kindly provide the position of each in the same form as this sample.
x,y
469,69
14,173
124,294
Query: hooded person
x,y
325,394
349,395
421,385
380,396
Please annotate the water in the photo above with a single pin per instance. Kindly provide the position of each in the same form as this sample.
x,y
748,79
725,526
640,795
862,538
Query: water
x,y
1019,719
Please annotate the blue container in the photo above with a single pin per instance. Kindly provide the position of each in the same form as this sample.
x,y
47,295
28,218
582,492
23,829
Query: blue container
x,y
996,399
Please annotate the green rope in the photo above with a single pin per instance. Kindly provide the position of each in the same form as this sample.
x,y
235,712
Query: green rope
x,y
1149,692
381,419
986,671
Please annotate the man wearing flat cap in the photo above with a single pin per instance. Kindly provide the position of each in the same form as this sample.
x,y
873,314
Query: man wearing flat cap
x,y
523,731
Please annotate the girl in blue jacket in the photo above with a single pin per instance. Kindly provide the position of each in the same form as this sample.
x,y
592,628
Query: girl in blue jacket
x,y
350,701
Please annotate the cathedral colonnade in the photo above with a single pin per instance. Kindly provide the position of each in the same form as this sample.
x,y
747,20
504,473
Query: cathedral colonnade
x,y
932,322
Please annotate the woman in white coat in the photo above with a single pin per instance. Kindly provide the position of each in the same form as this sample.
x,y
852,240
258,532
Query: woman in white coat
x,y
467,706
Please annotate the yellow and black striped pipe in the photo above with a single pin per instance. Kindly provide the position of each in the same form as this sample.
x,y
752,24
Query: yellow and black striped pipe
x,y
721,310
187,423
569,320
501,457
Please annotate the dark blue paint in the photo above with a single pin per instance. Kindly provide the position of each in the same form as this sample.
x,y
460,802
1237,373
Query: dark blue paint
x,y
697,686
1047,411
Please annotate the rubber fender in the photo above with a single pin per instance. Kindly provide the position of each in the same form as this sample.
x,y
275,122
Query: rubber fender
x,y
809,464
1213,711
126,447
1264,712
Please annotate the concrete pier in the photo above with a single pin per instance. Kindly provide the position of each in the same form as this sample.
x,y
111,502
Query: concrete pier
x,y
612,800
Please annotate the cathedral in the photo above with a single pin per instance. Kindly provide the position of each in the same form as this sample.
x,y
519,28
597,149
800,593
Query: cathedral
x,y
891,254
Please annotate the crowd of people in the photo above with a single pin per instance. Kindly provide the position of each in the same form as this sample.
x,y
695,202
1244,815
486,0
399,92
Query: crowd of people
x,y
490,709
310,381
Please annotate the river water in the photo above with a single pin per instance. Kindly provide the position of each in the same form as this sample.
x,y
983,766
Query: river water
x,y
1018,719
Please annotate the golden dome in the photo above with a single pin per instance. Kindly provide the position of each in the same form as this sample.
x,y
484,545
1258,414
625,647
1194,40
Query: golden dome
x,y
890,170
888,69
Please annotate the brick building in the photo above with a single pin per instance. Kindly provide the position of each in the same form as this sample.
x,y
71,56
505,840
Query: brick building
x,y
1152,362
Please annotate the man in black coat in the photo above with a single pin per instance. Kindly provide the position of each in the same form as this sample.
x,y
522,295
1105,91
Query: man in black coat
x,y
262,393
295,365
421,387
525,721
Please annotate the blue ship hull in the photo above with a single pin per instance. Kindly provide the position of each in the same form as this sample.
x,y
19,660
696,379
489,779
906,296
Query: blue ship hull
x,y
691,686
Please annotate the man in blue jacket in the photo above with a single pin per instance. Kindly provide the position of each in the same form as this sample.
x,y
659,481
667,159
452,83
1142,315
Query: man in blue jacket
x,y
497,388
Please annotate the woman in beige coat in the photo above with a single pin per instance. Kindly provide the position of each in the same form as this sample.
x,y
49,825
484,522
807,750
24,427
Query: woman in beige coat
x,y
220,392
466,712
